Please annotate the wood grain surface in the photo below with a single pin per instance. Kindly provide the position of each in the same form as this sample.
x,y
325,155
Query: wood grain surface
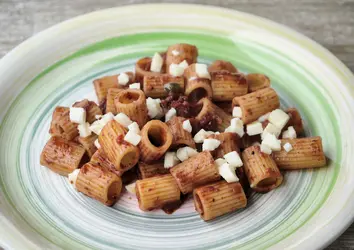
x,y
329,22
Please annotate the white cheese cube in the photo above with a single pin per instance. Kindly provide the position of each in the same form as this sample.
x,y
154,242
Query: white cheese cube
x,y
97,144
156,63
271,141
154,108
217,133
123,79
106,118
96,127
175,52
134,127
132,138
228,173
191,152
238,131
210,144
279,118
170,160
288,147
77,115
202,70
131,188
201,135
183,64
176,70
236,126
185,153
84,129
171,113
290,133
220,161
236,122
73,177
123,119
237,112
98,117
135,85
264,117
265,149
254,128
187,126
271,129
233,158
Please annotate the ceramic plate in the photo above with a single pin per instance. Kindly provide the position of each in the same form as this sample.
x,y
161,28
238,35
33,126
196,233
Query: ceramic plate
x,y
39,209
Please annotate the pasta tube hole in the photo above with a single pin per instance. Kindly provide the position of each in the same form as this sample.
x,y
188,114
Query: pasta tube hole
x,y
267,182
197,94
157,136
128,160
198,204
113,191
129,97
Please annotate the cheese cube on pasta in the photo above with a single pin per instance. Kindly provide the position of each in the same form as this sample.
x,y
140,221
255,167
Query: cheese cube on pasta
x,y
123,119
233,158
123,79
228,173
271,141
279,118
170,160
290,133
84,129
132,138
202,70
254,128
187,126
210,144
156,63
77,115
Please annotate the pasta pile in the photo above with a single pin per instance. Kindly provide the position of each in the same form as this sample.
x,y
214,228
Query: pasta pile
x,y
177,127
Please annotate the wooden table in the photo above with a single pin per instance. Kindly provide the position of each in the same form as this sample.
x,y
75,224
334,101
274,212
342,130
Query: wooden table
x,y
329,22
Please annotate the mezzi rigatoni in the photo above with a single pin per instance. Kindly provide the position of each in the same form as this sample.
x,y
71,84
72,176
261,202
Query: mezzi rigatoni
x,y
111,94
218,198
91,108
227,85
177,53
61,124
228,142
196,87
154,86
147,170
181,137
88,143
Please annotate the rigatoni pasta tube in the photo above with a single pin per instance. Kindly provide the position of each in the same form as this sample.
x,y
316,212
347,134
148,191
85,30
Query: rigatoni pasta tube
x,y
147,170
100,158
89,144
142,68
91,109
218,198
132,102
305,153
121,153
177,53
256,104
156,139
62,156
208,107
103,84
196,171
226,85
99,183
228,142
155,192
196,87
181,137
111,94
226,106
154,85
261,170
61,124
257,82
220,65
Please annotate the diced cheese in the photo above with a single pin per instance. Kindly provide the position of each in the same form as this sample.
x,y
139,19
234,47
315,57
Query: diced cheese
x,y
191,152
264,117
171,113
256,143
288,147
156,63
134,127
97,144
290,133
135,85
123,79
170,160
131,188
98,117
236,126
220,161
202,70
254,128
201,135
265,149
210,144
154,108
77,115
271,129
175,52
236,122
185,153
106,118
73,177
279,118
123,119
183,64
96,127
271,141
237,112
84,129
233,158
176,70
187,126
132,138
228,173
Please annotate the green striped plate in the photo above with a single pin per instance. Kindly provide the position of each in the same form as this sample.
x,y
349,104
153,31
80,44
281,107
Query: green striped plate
x,y
40,210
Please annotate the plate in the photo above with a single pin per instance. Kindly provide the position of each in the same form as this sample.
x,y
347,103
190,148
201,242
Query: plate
x,y
39,209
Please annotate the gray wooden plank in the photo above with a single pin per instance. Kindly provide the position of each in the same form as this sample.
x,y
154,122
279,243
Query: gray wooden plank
x,y
329,22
